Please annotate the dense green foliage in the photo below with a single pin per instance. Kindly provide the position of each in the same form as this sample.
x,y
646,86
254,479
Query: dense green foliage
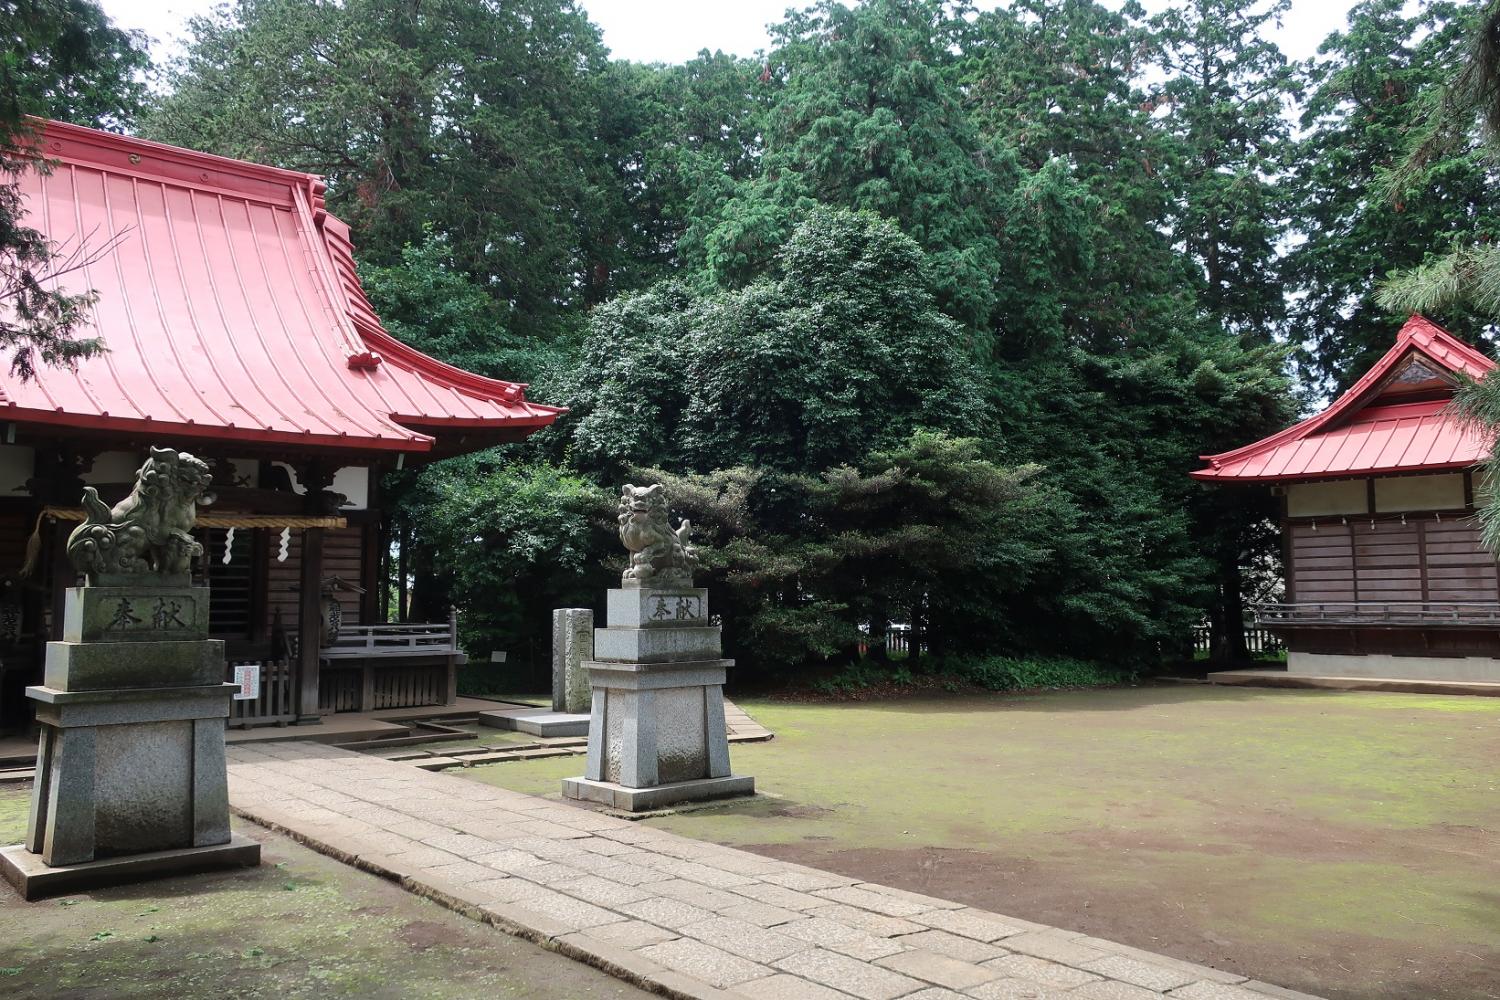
x,y
923,317
58,59
1369,95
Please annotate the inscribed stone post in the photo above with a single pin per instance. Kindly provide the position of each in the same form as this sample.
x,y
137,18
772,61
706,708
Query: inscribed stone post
x,y
572,647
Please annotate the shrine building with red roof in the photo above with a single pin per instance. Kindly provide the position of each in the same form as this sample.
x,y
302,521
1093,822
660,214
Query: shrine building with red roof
x,y
235,328
1385,572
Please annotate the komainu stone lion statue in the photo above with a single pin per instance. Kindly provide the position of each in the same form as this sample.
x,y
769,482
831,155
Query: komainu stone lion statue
x,y
149,531
659,556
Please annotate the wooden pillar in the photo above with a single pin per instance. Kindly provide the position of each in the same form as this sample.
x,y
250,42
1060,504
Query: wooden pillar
x,y
309,624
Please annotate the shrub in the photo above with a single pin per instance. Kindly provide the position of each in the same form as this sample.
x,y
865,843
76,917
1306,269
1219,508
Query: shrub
x,y
1005,673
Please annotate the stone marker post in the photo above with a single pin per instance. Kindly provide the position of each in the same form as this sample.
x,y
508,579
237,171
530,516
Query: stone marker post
x,y
572,647
656,729
130,779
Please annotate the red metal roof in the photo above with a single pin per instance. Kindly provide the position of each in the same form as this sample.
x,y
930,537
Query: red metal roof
x,y
1369,428
230,309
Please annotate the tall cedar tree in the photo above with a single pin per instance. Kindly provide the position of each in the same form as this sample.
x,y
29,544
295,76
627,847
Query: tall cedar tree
x,y
1369,92
478,121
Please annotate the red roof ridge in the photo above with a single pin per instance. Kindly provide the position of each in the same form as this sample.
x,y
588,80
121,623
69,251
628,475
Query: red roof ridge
x,y
80,144
1417,334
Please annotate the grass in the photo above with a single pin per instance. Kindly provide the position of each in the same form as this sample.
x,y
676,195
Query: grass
x,y
1343,844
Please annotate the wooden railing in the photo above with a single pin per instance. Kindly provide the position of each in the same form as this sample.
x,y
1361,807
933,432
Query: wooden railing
x,y
1426,614
364,641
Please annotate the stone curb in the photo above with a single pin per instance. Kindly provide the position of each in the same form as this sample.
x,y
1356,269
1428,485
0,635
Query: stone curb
x,y
509,918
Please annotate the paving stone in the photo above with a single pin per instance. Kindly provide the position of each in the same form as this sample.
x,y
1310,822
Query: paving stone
x,y
935,993
425,857
699,895
705,962
777,895
760,914
784,987
548,873
664,912
1196,972
608,848
926,902
866,900
599,891
1153,977
507,860
704,875
875,923
938,969
631,934
842,938
970,923
416,829
573,913
1016,989
618,871
459,873
941,942
869,982
1113,989
805,879
1039,970
1047,944
745,939
1206,990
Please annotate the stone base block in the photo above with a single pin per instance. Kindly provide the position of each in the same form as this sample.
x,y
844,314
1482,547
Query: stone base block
x,y
657,645
656,797
537,722
1388,666
34,879
102,666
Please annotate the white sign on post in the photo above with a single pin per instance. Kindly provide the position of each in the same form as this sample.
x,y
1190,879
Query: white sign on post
x,y
247,676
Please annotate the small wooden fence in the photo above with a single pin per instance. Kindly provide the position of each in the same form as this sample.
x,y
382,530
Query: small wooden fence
x,y
1259,641
420,672
276,702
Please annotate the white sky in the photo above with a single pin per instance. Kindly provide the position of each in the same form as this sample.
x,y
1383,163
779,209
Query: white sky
x,y
674,30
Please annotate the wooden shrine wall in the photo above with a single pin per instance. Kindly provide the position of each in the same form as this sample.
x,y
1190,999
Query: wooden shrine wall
x,y
1424,559
343,556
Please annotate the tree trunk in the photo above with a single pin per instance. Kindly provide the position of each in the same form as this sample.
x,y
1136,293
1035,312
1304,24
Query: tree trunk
x,y
1228,624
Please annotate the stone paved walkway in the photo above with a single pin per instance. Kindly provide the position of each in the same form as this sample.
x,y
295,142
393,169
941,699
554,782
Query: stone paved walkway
x,y
679,916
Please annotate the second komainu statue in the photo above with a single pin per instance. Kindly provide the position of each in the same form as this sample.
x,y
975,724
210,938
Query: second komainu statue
x,y
659,556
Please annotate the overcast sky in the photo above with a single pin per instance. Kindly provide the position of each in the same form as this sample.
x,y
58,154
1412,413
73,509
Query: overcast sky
x,y
674,30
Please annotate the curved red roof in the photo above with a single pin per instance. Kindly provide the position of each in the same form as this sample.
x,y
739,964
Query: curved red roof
x,y
230,309
1371,428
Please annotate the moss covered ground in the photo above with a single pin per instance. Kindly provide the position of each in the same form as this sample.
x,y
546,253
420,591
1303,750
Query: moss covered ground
x,y
301,925
1346,844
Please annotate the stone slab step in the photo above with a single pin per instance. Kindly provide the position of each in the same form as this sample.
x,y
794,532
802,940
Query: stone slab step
x,y
536,722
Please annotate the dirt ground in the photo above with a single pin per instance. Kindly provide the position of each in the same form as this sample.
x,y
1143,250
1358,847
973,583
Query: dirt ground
x,y
300,925
1345,844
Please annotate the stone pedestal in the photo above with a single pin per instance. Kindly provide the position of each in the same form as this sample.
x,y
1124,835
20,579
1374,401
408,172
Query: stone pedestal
x,y
656,730
131,759
572,647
